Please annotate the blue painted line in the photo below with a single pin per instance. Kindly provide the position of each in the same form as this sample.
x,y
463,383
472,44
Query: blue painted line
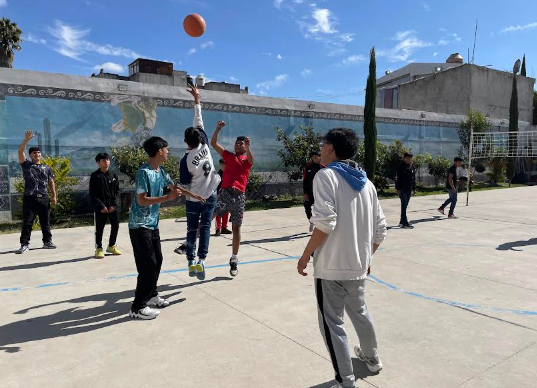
x,y
371,277
53,284
449,302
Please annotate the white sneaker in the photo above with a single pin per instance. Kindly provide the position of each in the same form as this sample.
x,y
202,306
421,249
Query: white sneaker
x,y
312,227
145,313
158,301
373,365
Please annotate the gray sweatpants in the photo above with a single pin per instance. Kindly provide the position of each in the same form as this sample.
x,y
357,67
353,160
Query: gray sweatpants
x,y
333,297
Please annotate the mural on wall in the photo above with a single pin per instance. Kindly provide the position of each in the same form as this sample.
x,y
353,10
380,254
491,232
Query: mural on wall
x,y
79,124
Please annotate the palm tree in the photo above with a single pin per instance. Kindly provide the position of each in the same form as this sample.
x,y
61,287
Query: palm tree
x,y
10,39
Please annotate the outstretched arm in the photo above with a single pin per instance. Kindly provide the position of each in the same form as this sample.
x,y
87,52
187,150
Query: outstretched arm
x,y
28,135
249,154
214,141
198,119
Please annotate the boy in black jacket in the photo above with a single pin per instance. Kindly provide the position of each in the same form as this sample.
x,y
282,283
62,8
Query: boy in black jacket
x,y
308,174
405,184
104,193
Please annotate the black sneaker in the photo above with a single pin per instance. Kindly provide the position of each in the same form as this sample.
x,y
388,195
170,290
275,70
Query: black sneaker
x,y
408,226
181,249
49,245
24,248
233,270
226,231
218,232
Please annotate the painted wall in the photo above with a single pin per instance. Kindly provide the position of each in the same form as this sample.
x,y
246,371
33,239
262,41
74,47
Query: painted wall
x,y
81,116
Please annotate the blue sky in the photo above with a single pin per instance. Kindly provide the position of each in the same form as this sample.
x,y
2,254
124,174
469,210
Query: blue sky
x,y
310,50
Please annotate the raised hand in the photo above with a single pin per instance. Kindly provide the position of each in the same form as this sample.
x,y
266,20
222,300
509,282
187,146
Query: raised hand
x,y
221,124
247,143
195,93
28,135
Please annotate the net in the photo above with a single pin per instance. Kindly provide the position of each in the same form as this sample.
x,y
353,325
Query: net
x,y
504,144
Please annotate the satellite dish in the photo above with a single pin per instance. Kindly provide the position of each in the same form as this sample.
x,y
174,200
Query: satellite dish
x,y
516,67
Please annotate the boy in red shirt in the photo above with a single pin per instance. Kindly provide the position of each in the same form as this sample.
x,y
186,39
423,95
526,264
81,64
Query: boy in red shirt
x,y
232,198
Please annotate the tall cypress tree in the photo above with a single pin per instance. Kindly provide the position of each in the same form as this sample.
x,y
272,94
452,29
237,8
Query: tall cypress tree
x,y
370,127
523,69
513,127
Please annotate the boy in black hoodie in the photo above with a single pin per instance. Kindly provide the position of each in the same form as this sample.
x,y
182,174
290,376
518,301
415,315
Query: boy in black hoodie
x,y
405,184
104,193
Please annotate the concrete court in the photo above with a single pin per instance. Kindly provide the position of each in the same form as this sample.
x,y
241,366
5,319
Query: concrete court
x,y
454,301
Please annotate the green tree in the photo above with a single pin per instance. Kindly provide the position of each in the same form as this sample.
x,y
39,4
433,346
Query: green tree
x,y
296,150
523,68
420,162
10,39
128,160
378,179
255,182
370,127
61,168
513,127
474,119
497,170
438,167
394,156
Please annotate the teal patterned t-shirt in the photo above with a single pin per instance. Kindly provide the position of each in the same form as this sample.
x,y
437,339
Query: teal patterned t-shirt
x,y
151,182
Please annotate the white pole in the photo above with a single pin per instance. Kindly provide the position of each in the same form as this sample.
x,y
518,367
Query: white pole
x,y
469,181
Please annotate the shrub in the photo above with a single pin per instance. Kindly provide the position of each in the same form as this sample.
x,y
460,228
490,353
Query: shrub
x,y
420,162
255,182
497,171
296,149
392,159
128,160
438,167
61,167
379,180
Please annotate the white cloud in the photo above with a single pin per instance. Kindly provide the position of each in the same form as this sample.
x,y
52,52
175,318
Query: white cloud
x,y
408,44
426,6
456,37
443,42
191,51
273,83
529,26
435,54
207,45
278,3
298,1
306,73
336,52
70,43
441,29
3,3
324,22
233,79
347,37
110,67
353,60
279,57
33,38
449,38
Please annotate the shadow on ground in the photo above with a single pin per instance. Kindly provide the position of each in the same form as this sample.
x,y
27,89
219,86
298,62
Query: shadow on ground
x,y
292,237
510,246
77,319
43,264
414,222
360,372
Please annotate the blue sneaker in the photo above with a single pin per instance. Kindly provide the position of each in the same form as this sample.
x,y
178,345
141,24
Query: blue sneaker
x,y
200,270
192,268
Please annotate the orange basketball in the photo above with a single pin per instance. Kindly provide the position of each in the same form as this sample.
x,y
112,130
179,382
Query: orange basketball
x,y
194,25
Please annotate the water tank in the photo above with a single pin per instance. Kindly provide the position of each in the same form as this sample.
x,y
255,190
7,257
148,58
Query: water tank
x,y
200,81
455,58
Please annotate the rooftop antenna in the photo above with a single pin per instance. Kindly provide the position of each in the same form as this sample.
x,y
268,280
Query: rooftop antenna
x,y
475,38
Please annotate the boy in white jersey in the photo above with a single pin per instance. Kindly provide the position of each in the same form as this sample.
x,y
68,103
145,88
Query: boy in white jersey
x,y
198,175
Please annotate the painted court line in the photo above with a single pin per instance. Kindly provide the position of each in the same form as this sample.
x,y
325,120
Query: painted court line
x,y
371,278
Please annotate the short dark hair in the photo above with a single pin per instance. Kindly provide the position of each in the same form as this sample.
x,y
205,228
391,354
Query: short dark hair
x,y
154,144
222,161
457,159
344,141
408,155
241,138
33,149
193,137
102,155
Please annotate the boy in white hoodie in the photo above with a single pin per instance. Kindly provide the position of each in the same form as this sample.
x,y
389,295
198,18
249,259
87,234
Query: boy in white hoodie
x,y
349,227
198,174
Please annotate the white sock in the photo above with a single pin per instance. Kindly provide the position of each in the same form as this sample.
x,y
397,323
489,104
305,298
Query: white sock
x,y
234,257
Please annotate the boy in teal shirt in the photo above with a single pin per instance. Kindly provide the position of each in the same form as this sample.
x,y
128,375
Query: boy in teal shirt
x,y
151,179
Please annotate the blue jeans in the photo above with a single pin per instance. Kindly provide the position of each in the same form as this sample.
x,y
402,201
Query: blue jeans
x,y
452,199
405,199
195,211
